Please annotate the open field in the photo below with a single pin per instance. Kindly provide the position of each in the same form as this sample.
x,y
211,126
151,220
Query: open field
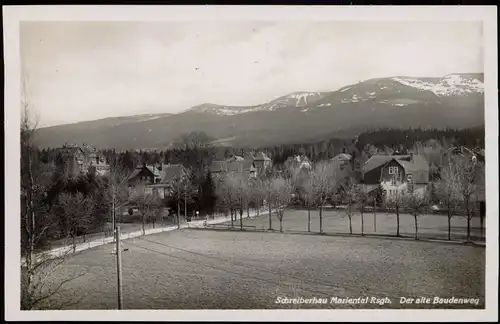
x,y
336,222
207,269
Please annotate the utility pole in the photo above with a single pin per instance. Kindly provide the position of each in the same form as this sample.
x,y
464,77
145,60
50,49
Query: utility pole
x,y
179,210
113,220
119,267
185,203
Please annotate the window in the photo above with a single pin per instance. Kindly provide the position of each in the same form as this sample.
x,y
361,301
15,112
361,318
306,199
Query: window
x,y
393,181
393,170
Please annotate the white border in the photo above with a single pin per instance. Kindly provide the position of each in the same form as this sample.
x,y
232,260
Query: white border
x,y
13,14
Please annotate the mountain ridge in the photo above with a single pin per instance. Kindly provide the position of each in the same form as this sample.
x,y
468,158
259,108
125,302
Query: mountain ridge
x,y
454,100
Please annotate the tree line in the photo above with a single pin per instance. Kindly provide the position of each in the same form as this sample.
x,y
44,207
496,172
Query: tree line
x,y
190,148
457,190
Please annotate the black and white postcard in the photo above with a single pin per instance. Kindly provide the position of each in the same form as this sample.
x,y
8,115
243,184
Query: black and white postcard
x,y
251,163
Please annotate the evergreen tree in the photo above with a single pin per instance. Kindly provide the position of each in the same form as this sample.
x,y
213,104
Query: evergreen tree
x,y
208,198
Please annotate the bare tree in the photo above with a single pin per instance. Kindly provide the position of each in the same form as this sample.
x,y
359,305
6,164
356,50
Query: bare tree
x,y
154,208
175,192
395,201
447,192
146,202
181,190
349,195
257,193
302,182
38,287
28,186
282,193
362,200
118,192
36,220
306,191
226,195
416,203
325,181
468,174
237,184
433,151
74,214
269,199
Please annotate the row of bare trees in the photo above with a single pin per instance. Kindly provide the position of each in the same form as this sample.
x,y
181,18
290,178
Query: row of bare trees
x,y
457,188
237,193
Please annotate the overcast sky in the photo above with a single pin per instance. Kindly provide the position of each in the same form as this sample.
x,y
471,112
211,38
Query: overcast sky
x,y
82,71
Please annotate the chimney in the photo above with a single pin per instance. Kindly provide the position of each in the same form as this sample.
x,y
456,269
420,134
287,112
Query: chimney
x,y
343,150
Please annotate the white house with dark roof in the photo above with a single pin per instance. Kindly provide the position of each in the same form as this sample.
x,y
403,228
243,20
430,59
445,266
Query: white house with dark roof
x,y
397,174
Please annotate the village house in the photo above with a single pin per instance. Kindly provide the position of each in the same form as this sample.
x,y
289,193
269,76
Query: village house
x,y
82,159
464,151
249,164
156,179
261,162
298,161
397,174
342,160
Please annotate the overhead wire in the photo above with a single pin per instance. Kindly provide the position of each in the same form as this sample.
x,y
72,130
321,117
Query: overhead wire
x,y
341,288
225,270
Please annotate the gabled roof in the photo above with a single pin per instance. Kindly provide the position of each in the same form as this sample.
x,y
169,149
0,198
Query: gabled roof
x,y
134,173
240,166
87,150
218,166
232,166
154,170
419,168
419,164
377,160
298,158
235,158
261,156
371,187
342,157
249,156
69,149
138,170
463,150
171,172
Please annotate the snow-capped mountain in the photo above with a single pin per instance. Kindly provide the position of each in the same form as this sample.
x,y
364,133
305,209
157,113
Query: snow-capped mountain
x,y
450,85
293,100
396,91
455,100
